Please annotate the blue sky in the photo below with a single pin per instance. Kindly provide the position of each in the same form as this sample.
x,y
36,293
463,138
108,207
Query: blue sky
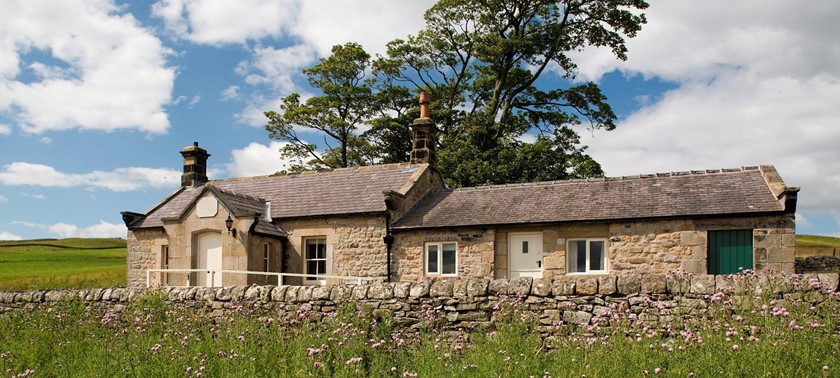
x,y
97,97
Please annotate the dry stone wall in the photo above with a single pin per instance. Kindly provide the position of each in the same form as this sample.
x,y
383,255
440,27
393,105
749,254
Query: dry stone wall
x,y
470,303
812,264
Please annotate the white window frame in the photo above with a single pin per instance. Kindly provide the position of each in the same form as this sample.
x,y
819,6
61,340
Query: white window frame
x,y
266,257
605,256
306,260
439,255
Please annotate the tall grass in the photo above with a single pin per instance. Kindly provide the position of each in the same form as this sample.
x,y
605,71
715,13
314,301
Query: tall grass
x,y
152,338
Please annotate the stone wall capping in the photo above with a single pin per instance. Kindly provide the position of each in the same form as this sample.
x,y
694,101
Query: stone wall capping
x,y
541,287
586,285
499,287
607,285
419,289
521,286
702,284
402,289
563,285
442,288
629,284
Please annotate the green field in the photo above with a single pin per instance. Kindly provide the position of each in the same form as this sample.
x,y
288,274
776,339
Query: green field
x,y
813,245
65,263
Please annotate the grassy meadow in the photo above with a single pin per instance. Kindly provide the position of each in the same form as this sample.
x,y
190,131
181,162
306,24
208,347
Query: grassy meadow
x,y
65,263
153,339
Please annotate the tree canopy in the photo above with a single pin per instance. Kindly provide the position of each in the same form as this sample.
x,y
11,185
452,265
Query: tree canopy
x,y
481,61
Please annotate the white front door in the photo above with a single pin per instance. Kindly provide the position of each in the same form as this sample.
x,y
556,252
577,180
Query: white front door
x,y
525,257
210,258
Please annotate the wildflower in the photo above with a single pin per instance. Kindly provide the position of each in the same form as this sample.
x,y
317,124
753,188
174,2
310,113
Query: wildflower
x,y
825,367
409,374
354,360
657,370
318,365
240,338
393,369
735,347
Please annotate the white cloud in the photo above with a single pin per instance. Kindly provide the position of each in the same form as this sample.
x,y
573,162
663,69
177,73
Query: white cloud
x,y
323,23
221,21
64,230
257,159
195,100
230,93
104,71
118,180
754,86
46,140
37,196
3,199
9,236
276,67
5,129
314,26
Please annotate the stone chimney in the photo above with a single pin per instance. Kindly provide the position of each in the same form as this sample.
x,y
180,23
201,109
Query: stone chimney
x,y
423,134
195,166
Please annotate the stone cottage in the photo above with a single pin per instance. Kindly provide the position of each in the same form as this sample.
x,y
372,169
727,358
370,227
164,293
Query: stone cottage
x,y
398,222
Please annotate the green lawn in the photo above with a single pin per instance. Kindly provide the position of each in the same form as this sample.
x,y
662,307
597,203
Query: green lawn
x,y
66,263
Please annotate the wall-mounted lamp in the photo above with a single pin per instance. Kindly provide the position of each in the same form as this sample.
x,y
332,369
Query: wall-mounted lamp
x,y
229,225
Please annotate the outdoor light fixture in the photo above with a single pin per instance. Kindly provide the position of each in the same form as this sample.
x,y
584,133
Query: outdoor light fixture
x,y
229,225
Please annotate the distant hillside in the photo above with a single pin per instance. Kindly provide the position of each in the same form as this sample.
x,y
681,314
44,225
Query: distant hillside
x,y
813,245
71,243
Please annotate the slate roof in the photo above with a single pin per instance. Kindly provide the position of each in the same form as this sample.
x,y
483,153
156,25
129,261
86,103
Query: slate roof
x,y
344,191
695,193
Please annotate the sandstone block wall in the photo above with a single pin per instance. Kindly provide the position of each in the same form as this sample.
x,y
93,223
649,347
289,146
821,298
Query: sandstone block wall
x,y
142,254
354,245
475,253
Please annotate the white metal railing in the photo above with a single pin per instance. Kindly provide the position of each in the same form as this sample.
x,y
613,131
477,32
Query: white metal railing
x,y
220,272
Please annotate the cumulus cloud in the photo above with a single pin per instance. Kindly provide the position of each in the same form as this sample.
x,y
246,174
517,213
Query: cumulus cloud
x,y
4,235
217,22
118,180
5,129
100,69
64,230
314,26
753,86
257,159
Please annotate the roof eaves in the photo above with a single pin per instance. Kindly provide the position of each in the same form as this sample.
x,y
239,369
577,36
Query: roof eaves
x,y
397,227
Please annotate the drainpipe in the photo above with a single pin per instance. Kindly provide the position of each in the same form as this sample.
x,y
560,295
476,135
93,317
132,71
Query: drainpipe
x,y
388,239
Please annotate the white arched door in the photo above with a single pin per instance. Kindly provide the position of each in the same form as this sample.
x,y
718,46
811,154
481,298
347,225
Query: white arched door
x,y
210,259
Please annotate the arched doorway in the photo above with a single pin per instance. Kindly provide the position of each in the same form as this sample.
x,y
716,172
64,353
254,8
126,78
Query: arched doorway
x,y
209,252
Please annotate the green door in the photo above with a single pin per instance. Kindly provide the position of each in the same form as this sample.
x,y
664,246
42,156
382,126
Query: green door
x,y
729,251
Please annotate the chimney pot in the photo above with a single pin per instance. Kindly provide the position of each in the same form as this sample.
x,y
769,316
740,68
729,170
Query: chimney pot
x,y
425,100
423,130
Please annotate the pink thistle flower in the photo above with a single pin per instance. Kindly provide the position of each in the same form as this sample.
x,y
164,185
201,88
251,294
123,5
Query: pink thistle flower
x,y
735,347
354,360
